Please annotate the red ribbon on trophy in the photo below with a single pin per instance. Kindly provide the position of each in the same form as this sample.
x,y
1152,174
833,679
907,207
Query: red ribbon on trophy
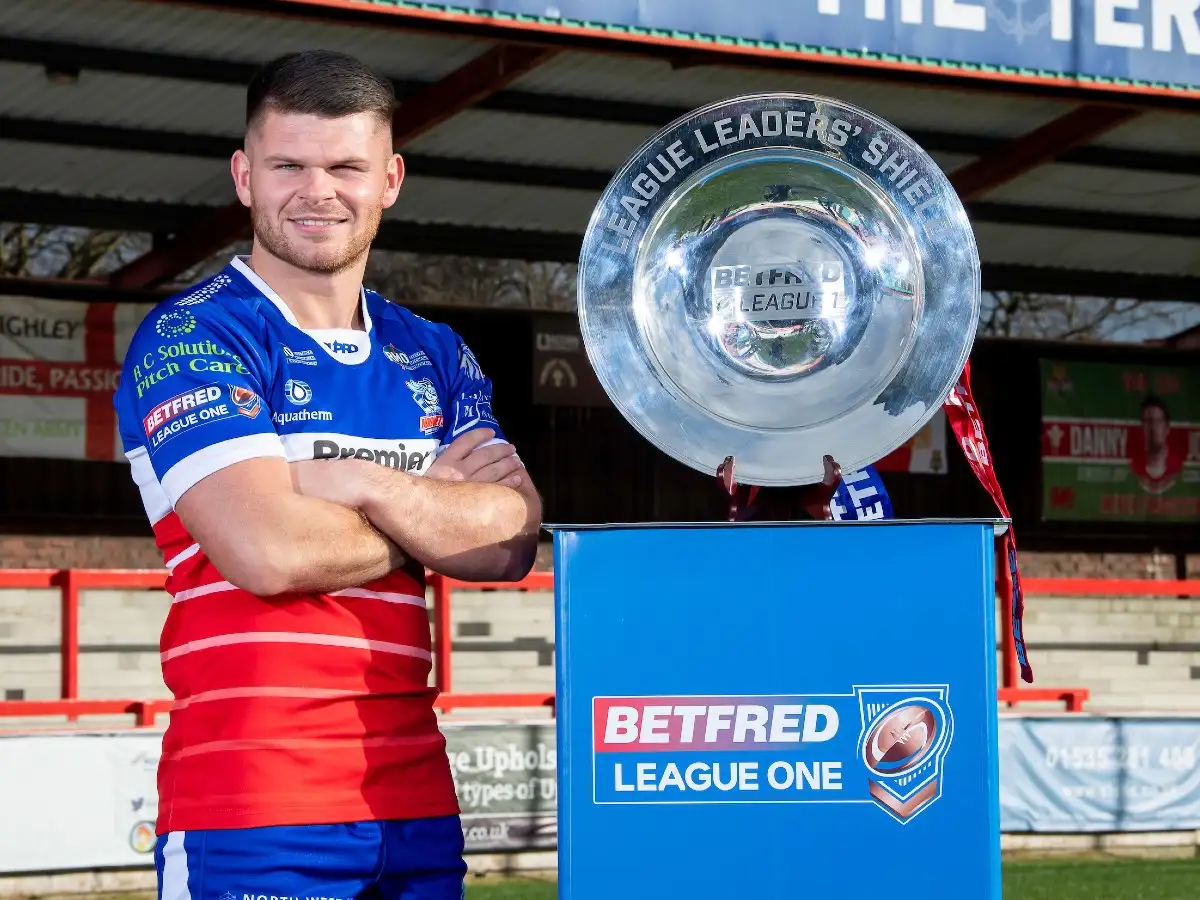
x,y
967,424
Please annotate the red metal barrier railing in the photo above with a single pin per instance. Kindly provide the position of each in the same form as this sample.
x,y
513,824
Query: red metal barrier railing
x,y
1012,692
71,581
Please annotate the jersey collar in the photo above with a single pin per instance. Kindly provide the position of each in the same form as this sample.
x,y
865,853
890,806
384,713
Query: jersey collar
x,y
346,345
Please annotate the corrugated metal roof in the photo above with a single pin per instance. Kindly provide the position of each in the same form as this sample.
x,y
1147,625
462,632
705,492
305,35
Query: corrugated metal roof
x,y
189,30
1160,132
655,81
539,140
485,205
1096,251
1094,188
125,101
488,135
85,172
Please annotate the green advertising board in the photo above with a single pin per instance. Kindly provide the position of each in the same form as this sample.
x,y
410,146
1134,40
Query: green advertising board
x,y
507,789
1120,442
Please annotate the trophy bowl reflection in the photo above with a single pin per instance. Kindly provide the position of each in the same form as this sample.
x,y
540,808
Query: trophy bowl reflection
x,y
776,278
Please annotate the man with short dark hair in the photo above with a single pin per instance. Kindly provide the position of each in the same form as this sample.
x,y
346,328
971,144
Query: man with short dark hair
x,y
1157,459
304,449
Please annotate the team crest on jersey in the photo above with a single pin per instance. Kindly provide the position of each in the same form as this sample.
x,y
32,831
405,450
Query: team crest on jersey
x,y
404,361
245,400
425,395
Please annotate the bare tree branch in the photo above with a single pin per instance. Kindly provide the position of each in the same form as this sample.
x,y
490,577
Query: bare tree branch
x,y
51,251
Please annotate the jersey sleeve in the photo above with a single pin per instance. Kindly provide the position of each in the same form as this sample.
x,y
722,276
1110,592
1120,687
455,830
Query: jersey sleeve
x,y
191,401
469,405
861,495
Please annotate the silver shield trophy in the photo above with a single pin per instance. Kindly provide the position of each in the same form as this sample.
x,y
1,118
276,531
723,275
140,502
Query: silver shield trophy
x,y
778,278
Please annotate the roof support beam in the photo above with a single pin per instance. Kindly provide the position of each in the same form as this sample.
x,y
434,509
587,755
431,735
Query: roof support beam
x,y
36,207
489,72
1042,145
200,146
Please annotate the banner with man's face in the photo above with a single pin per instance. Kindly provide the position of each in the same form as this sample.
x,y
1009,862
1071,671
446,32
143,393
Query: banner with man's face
x,y
1120,442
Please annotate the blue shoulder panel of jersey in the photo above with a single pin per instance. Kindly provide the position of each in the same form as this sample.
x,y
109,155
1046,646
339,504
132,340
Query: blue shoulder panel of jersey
x,y
466,390
861,495
193,382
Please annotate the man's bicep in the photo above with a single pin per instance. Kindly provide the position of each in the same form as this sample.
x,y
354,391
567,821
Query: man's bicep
x,y
233,505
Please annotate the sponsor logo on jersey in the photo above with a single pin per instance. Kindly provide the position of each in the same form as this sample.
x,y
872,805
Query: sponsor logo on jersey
x,y
394,454
178,405
471,409
406,361
469,364
184,412
245,400
297,392
174,323
302,415
299,357
425,395
341,346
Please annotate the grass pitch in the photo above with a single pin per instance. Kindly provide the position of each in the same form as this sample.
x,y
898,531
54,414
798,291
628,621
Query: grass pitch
x,y
1055,879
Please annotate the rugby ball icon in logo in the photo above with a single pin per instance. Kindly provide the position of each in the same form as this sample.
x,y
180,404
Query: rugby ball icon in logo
x,y
902,739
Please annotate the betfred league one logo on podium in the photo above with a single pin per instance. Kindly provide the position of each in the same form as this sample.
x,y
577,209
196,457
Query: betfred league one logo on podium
x,y
905,735
882,745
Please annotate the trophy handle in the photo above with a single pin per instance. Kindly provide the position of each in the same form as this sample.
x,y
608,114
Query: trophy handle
x,y
733,489
814,499
818,496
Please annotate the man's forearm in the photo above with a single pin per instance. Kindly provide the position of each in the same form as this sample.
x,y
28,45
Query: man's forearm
x,y
290,543
462,529
322,546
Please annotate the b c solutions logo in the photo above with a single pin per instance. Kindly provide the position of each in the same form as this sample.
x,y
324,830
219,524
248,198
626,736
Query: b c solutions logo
x,y
799,748
175,322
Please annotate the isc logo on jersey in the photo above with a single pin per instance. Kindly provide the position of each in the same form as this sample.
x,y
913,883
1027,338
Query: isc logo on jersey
x,y
183,411
299,357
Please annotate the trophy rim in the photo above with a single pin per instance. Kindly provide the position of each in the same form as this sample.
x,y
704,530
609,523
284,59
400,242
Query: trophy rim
x,y
596,345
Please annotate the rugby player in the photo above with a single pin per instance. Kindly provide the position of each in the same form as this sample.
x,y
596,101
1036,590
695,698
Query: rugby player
x,y
304,448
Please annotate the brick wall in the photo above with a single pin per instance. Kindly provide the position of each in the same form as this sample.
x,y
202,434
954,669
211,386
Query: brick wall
x,y
1103,565
92,552
40,552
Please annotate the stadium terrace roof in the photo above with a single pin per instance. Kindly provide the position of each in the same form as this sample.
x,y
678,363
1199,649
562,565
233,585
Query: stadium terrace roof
x,y
123,113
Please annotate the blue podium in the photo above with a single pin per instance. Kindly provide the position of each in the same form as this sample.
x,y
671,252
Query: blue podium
x,y
777,710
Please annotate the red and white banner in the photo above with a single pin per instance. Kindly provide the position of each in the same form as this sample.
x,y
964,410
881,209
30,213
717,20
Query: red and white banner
x,y
924,452
60,362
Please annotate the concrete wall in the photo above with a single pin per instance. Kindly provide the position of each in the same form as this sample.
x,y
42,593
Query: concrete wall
x,y
1133,653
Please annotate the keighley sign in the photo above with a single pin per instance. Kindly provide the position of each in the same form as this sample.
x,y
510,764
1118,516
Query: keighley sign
x,y
1150,41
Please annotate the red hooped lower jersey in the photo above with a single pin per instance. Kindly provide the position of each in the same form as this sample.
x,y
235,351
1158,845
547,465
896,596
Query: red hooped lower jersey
x,y
306,708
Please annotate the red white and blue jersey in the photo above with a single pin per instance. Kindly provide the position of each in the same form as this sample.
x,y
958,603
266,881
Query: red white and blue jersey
x,y
307,708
